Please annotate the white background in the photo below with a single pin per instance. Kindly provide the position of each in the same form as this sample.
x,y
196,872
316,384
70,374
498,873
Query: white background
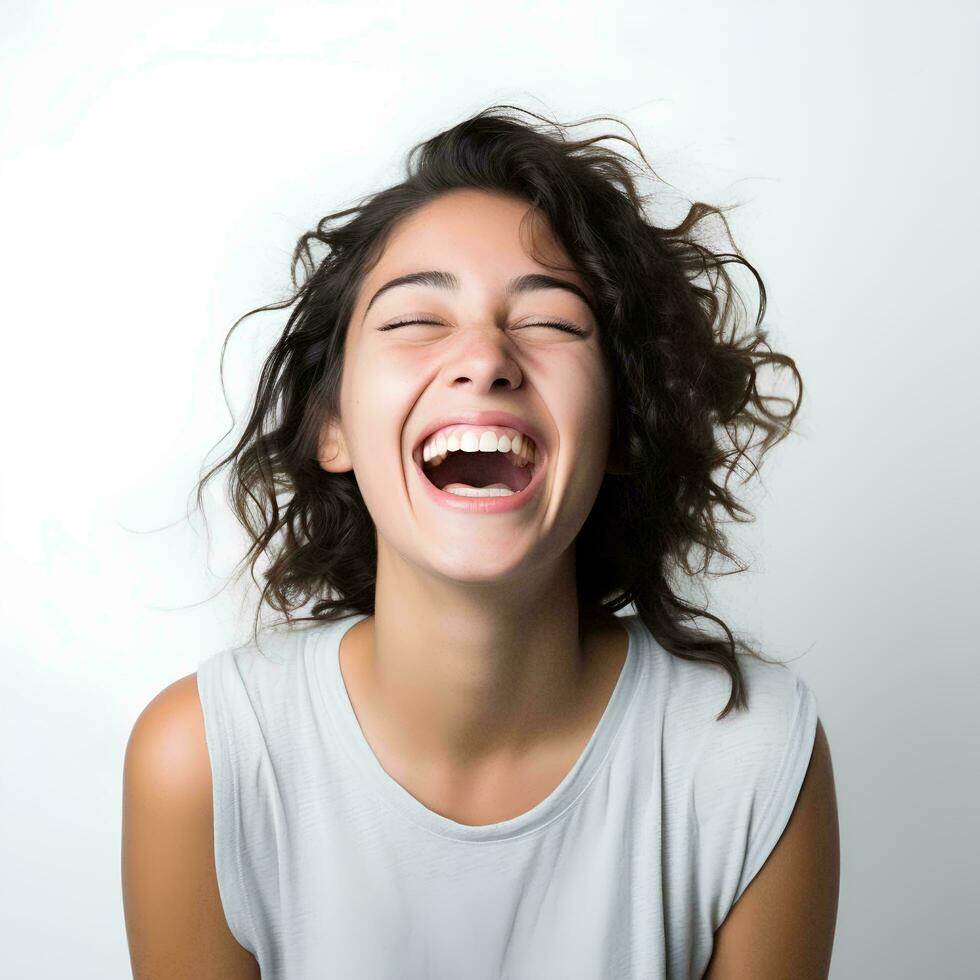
x,y
160,160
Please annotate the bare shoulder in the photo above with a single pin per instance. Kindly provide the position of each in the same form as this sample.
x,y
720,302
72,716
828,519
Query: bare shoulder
x,y
168,744
784,923
175,923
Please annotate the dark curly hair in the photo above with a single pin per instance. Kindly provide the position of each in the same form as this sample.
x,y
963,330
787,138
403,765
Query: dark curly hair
x,y
686,402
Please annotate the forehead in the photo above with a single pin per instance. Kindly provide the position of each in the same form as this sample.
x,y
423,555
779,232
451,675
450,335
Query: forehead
x,y
476,233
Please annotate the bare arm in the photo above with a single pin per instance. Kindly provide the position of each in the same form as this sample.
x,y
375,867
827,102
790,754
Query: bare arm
x,y
783,925
175,923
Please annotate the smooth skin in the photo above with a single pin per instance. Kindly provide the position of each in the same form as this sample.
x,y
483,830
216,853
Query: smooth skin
x,y
175,923
487,733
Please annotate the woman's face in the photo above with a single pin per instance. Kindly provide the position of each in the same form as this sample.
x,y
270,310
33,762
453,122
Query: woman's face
x,y
481,348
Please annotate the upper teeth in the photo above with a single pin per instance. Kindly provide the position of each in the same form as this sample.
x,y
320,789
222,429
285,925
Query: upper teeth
x,y
476,439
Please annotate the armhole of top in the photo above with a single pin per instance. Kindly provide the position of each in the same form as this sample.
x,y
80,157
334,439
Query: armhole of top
x,y
786,788
226,825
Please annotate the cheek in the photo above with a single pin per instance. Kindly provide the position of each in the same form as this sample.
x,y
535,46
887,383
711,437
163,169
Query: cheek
x,y
379,393
581,402
382,376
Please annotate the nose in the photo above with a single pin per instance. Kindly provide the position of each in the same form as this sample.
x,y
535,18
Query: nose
x,y
482,359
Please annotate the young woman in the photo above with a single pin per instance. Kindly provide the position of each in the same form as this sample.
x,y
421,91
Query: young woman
x,y
494,419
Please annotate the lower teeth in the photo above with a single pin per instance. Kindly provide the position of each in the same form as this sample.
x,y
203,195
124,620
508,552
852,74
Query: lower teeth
x,y
465,490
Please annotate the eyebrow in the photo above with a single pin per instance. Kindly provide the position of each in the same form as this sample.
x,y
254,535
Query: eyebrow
x,y
520,284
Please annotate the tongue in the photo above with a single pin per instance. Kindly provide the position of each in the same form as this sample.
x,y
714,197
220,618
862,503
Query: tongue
x,y
467,486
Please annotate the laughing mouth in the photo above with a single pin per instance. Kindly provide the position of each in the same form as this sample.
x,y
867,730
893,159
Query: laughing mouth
x,y
484,467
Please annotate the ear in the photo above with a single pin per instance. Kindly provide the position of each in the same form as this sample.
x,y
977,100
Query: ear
x,y
332,454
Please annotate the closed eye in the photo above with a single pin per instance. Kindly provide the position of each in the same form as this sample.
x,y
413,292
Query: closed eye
x,y
563,325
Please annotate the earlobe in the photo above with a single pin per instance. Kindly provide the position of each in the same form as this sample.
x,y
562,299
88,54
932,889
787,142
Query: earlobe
x,y
332,452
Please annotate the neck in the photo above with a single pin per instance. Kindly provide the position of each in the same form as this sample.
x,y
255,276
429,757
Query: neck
x,y
467,677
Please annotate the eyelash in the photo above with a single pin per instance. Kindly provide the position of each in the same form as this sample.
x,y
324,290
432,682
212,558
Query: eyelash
x,y
562,325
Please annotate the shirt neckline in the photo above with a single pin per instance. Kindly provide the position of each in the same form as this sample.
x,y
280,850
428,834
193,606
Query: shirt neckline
x,y
348,731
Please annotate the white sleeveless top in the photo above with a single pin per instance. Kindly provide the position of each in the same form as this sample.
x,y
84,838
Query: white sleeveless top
x,y
327,867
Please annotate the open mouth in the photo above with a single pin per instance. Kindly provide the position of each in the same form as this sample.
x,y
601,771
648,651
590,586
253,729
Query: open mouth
x,y
467,473
505,463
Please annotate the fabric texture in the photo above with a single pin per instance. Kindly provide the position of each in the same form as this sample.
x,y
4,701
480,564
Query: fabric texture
x,y
328,867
